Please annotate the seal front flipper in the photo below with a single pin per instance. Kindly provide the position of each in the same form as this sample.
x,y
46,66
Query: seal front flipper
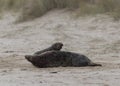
x,y
94,64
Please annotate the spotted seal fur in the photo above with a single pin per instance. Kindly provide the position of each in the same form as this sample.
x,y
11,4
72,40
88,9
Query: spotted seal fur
x,y
60,58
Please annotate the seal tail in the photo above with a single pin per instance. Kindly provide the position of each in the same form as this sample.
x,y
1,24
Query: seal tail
x,y
28,57
94,64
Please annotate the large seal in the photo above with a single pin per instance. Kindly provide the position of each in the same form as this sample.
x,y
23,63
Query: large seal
x,y
60,58
56,46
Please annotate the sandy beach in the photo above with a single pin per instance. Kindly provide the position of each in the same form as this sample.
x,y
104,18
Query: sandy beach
x,y
97,37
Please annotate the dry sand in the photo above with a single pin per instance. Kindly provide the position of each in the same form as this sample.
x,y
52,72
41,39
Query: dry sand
x,y
97,37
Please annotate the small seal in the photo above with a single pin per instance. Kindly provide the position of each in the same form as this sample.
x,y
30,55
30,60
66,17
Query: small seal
x,y
60,58
56,46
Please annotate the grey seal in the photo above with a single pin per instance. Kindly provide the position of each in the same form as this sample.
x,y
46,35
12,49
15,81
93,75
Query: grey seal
x,y
60,58
56,46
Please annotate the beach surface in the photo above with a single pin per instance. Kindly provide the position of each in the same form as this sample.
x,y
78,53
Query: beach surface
x,y
97,37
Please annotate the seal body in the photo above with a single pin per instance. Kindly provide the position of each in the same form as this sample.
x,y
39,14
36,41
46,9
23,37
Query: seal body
x,y
56,46
60,58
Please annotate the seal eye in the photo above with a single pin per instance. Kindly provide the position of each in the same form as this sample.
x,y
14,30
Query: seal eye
x,y
57,46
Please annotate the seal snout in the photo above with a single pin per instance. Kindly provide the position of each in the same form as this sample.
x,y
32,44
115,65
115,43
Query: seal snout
x,y
57,45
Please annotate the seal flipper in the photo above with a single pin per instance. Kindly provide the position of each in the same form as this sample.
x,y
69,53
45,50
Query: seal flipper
x,y
94,64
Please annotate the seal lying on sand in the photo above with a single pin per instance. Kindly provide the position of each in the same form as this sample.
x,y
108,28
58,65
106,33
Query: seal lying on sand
x,y
56,46
60,58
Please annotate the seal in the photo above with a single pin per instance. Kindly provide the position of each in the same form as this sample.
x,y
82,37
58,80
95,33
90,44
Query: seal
x,y
56,46
60,58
